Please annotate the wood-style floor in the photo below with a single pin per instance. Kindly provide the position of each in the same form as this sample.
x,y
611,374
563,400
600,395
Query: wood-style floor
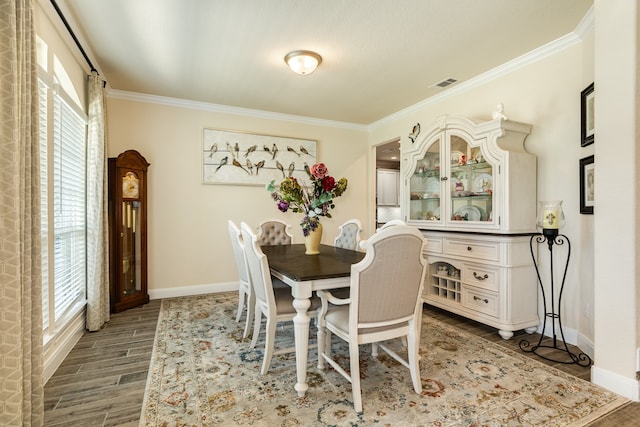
x,y
102,380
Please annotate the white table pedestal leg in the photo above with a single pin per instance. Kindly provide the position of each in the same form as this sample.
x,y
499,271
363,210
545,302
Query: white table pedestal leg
x,y
301,329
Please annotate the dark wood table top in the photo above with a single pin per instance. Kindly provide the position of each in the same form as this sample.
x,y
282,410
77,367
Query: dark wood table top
x,y
292,262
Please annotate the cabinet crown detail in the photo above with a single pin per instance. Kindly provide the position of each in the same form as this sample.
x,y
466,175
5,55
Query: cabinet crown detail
x,y
460,175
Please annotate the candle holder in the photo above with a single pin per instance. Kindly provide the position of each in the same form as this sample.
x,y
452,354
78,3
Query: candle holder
x,y
550,218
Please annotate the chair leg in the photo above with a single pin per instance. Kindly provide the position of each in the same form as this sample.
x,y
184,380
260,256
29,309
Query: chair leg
x,y
256,325
241,294
413,354
327,343
374,349
251,302
354,361
268,345
321,341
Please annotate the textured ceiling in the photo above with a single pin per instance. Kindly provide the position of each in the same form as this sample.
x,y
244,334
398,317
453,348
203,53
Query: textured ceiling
x,y
379,56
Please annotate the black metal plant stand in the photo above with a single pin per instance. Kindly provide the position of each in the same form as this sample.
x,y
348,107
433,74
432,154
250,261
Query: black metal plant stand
x,y
552,237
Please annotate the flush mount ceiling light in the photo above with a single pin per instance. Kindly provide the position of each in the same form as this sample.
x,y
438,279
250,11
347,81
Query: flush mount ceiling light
x,y
303,62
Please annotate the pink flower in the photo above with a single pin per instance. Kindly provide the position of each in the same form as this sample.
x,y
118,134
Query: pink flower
x,y
319,170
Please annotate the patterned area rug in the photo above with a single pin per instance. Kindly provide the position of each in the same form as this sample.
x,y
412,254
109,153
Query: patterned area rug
x,y
203,373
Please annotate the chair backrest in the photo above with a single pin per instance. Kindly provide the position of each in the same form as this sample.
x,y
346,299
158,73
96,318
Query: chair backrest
x,y
258,267
391,224
238,251
386,285
349,235
274,232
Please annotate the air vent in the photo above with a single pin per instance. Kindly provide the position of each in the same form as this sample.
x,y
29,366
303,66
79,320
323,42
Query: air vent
x,y
445,83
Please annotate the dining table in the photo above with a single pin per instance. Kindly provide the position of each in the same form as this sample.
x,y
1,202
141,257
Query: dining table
x,y
305,274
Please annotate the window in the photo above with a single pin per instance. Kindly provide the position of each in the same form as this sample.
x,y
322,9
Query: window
x,y
64,224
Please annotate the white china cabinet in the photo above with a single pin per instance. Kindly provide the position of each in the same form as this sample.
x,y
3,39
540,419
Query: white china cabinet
x,y
471,188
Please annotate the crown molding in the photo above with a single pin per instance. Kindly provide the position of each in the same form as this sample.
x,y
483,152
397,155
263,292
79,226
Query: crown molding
x,y
226,109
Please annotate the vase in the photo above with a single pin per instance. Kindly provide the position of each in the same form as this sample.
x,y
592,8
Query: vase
x,y
312,241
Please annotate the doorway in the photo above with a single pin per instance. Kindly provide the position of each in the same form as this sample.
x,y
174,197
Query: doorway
x,y
387,162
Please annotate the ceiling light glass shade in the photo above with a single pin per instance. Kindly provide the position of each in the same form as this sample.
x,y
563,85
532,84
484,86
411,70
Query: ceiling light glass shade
x,y
303,62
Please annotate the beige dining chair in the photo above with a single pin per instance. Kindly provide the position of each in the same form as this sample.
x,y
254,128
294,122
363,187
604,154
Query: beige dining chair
x,y
276,303
245,290
274,232
385,303
349,235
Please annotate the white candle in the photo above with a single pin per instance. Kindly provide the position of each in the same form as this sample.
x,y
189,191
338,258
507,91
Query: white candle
x,y
550,219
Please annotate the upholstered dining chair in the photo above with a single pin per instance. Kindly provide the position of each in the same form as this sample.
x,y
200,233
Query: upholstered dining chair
x,y
384,304
274,232
245,290
276,303
349,235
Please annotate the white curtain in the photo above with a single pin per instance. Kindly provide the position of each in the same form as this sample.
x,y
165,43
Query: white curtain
x,y
21,375
97,222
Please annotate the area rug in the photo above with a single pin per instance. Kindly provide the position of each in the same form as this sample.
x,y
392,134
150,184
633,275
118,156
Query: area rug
x,y
203,373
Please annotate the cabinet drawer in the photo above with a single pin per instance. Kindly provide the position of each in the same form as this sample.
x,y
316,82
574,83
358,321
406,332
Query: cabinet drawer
x,y
482,301
480,276
434,245
489,251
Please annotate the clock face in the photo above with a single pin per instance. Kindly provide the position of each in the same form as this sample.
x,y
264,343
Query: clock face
x,y
130,186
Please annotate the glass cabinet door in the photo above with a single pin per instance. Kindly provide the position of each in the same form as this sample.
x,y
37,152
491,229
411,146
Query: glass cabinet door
x,y
471,182
425,186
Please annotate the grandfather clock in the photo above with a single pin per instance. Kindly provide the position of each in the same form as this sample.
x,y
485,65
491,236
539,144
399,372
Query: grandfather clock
x,y
128,231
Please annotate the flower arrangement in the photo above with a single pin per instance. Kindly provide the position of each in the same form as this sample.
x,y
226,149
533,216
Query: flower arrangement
x,y
314,201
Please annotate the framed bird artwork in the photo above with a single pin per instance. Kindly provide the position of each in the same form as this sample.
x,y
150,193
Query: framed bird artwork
x,y
242,158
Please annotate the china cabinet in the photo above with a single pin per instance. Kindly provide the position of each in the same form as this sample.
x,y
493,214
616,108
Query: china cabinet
x,y
128,231
471,188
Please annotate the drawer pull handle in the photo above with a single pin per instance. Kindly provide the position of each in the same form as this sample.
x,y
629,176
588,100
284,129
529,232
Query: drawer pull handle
x,y
469,248
486,276
475,298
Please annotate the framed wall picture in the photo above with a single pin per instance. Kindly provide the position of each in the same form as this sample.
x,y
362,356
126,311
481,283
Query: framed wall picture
x,y
587,102
587,176
242,158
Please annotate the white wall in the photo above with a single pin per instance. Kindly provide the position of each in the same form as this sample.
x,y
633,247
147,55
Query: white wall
x,y
616,189
188,241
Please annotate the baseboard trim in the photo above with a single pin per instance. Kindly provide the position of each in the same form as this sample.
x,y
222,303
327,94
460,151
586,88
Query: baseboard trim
x,y
616,383
585,345
571,336
184,291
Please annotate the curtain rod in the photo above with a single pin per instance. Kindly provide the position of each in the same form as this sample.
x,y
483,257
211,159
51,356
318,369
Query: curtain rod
x,y
75,39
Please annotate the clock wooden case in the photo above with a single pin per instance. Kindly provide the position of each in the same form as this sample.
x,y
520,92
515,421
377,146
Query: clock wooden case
x,y
128,231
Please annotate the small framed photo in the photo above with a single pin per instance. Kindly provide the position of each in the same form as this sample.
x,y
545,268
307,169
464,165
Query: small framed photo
x,y
587,102
587,176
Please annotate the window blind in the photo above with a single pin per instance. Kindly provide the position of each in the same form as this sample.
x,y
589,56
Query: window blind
x,y
69,205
